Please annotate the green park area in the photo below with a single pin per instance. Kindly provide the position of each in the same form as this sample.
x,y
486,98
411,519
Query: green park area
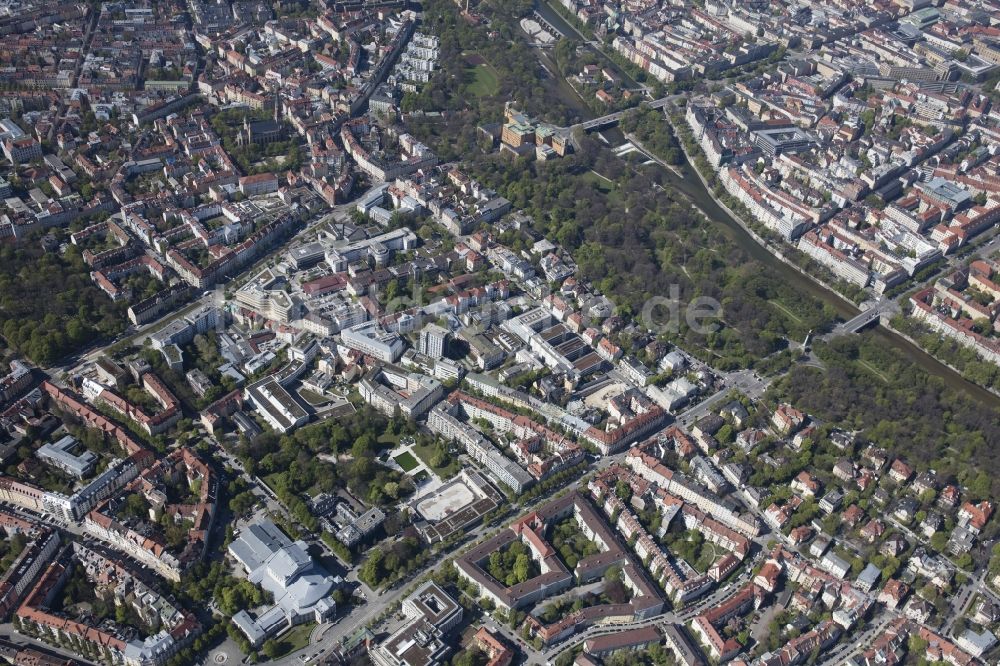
x,y
482,78
436,456
296,639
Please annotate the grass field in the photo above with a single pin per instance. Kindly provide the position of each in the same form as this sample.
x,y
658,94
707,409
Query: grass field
x,y
601,183
484,81
388,440
598,181
406,461
296,639
425,453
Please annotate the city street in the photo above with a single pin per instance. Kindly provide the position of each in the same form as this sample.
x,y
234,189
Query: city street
x,y
844,651
137,335
382,332
8,633
746,382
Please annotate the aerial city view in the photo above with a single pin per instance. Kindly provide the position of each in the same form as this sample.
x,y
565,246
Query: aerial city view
x,y
500,332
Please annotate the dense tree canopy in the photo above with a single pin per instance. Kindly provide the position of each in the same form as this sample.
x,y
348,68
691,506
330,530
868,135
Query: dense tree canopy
x,y
902,408
636,241
48,305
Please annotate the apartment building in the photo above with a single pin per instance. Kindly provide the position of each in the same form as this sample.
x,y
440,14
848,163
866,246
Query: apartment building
x,y
554,577
648,466
444,422
27,566
433,341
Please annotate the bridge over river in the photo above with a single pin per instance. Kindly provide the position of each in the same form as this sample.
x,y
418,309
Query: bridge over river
x,y
612,119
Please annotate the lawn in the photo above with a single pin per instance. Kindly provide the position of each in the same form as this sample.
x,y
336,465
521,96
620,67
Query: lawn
x,y
601,183
483,79
406,461
598,181
699,554
451,467
690,546
296,639
484,82
313,398
388,440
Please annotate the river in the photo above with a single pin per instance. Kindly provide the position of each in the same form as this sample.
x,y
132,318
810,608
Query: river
x,y
691,186
562,25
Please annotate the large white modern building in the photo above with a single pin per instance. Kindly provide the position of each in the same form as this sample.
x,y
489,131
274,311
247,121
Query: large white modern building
x,y
378,248
433,339
371,339
388,389
300,587
62,455
276,405
181,331
265,294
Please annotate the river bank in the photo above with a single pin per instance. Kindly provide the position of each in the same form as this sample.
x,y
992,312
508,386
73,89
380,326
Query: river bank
x,y
846,305
688,181
887,323
697,190
554,15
